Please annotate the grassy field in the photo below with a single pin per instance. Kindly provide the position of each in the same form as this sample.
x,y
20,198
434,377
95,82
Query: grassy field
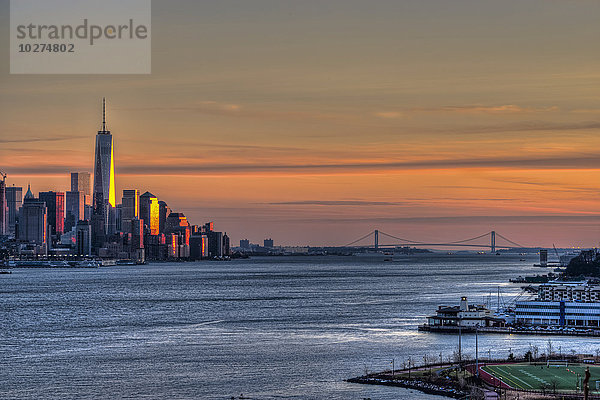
x,y
536,377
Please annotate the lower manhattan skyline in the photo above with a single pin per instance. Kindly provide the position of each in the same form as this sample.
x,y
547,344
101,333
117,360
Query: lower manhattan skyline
x,y
426,125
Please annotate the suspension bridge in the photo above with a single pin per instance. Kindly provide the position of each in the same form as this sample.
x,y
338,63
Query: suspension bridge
x,y
486,240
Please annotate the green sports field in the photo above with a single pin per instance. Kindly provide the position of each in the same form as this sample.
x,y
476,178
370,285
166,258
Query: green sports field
x,y
537,377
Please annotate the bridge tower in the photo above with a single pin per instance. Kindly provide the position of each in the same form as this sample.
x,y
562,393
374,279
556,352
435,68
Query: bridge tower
x,y
493,241
376,234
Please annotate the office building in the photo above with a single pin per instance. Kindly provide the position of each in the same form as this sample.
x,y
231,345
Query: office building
x,y
55,204
75,209
83,238
215,244
198,246
81,182
3,207
245,244
33,221
14,201
163,214
149,212
226,245
130,209
104,196
562,304
268,243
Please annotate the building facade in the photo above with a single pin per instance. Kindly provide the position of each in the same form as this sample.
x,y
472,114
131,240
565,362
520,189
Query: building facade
x,y
149,212
55,204
33,222
104,196
14,201
574,304
464,315
74,209
130,209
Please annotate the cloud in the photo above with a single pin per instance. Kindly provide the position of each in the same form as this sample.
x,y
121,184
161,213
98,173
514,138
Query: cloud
x,y
43,139
528,126
586,111
340,203
389,114
590,161
238,111
191,166
482,109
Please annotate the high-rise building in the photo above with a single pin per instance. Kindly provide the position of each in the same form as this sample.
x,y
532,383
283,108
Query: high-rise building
x,y
80,182
163,214
33,221
14,200
198,246
104,196
268,243
215,243
226,245
75,209
130,209
83,238
55,204
149,212
245,244
3,207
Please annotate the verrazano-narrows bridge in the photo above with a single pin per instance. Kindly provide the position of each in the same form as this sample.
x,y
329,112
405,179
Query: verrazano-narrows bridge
x,y
470,242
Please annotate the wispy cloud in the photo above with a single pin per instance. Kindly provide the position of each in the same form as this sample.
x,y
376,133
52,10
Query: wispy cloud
x,y
389,114
339,203
483,109
42,139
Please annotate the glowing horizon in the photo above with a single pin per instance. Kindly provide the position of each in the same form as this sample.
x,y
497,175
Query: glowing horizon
x,y
427,120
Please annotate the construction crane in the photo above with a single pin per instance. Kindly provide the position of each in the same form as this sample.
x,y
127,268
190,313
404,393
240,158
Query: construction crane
x,y
556,251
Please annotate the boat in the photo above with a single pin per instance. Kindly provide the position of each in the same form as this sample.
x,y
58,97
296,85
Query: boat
x,y
534,279
5,271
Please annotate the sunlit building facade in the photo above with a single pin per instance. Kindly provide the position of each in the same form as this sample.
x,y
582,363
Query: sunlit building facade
x,y
149,212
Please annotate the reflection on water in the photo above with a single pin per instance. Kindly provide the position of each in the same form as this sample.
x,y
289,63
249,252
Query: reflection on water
x,y
268,328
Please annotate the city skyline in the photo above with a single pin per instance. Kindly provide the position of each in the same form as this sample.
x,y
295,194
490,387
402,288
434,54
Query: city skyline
x,y
477,117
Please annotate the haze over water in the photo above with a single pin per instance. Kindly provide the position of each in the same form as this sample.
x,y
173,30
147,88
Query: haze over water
x,y
267,328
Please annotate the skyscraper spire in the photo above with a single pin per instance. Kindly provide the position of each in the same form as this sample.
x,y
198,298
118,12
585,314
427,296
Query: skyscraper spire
x,y
104,131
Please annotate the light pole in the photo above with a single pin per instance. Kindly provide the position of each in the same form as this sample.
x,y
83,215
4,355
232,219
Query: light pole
x,y
459,341
477,349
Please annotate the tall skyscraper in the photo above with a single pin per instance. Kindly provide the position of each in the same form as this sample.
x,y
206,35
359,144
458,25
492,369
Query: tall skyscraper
x,y
130,209
55,203
149,212
104,196
33,221
14,200
3,207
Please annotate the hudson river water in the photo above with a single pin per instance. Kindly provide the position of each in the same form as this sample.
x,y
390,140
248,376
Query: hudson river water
x,y
267,328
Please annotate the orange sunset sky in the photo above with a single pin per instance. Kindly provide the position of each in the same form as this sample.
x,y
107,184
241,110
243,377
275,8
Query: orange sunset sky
x,y
315,122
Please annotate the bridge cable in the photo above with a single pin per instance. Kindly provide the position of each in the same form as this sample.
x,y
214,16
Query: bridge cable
x,y
508,240
358,240
399,238
468,240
